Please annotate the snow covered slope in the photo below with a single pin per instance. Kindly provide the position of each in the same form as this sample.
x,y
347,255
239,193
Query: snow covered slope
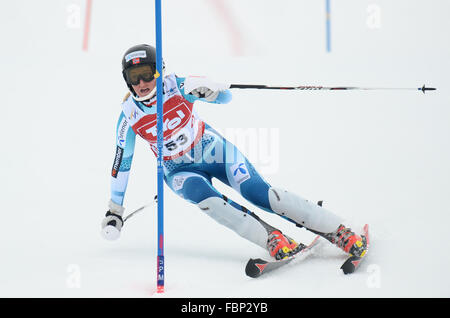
x,y
373,157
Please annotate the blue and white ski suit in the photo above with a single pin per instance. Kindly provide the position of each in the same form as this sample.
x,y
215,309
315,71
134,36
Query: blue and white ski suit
x,y
194,153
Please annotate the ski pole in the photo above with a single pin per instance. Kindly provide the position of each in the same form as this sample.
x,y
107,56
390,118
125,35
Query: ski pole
x,y
324,88
155,200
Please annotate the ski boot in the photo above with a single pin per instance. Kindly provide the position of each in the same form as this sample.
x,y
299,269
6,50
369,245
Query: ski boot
x,y
281,246
348,241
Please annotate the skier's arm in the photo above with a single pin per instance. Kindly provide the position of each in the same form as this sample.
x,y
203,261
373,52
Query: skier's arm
x,y
125,142
202,88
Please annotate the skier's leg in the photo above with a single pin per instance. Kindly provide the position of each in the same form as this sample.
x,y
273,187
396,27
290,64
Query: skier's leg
x,y
196,187
316,219
237,171
228,164
244,178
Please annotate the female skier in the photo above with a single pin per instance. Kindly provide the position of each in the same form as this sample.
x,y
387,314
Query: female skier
x,y
194,153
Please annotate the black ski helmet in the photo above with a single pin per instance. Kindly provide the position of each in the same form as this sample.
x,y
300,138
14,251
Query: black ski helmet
x,y
142,54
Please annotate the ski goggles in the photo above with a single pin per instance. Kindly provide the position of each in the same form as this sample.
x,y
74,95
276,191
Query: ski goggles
x,y
138,73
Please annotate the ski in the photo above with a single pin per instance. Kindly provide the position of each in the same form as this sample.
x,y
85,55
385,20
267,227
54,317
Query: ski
x,y
257,267
353,262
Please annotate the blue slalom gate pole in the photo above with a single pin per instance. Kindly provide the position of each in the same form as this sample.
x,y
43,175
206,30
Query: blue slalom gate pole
x,y
328,24
159,129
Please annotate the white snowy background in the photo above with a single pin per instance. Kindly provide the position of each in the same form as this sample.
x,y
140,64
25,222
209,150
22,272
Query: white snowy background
x,y
377,157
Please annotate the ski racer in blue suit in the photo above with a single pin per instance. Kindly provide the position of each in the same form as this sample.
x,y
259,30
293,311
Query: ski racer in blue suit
x,y
194,153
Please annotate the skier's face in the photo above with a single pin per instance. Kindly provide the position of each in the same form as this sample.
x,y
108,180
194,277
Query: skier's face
x,y
144,88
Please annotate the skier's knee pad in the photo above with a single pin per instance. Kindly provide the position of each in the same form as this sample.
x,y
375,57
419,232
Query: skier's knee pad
x,y
243,223
196,188
303,212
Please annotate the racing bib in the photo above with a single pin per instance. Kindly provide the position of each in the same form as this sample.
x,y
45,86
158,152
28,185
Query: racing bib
x,y
182,129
